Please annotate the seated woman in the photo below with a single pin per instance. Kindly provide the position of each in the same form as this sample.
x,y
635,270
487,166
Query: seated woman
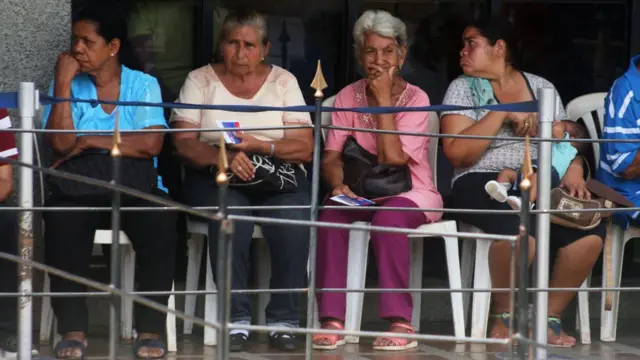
x,y
381,45
244,79
98,67
487,60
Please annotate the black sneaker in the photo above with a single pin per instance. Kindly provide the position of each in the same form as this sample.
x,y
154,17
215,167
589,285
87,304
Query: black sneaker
x,y
238,342
283,341
9,348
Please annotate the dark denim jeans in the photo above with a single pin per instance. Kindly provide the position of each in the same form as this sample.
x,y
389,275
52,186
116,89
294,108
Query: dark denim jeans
x,y
288,245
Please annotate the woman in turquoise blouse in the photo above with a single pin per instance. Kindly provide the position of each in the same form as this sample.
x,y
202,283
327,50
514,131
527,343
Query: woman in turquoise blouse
x,y
99,66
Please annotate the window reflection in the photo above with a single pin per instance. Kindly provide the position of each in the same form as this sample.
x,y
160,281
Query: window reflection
x,y
579,54
162,32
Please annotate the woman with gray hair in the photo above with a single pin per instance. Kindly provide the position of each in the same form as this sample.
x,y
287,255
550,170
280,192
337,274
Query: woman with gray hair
x,y
243,78
381,47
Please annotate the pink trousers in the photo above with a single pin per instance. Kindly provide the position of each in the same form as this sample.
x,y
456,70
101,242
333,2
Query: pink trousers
x,y
392,253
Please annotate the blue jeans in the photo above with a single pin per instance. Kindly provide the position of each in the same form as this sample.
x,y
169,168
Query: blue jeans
x,y
288,245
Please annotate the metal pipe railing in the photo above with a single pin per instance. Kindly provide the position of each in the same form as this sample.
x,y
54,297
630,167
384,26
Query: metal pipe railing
x,y
28,102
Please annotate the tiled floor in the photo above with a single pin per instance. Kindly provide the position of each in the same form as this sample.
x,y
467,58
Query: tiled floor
x,y
627,348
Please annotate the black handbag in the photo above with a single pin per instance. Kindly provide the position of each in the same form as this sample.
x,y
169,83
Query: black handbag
x,y
271,175
368,179
136,173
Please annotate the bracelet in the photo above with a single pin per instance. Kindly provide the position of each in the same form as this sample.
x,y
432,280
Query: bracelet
x,y
272,149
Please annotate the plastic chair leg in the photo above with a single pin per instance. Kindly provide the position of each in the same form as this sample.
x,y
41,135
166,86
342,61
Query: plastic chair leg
x,y
481,300
415,279
194,256
172,344
455,282
583,324
609,319
46,314
210,308
356,270
128,262
263,266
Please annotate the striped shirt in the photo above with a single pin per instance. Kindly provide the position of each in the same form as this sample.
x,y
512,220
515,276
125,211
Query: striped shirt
x,y
8,147
622,121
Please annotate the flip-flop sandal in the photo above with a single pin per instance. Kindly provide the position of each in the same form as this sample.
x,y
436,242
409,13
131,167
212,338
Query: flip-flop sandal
x,y
334,339
398,344
555,324
70,344
150,344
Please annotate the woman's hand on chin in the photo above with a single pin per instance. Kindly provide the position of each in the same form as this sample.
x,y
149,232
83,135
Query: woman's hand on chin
x,y
380,83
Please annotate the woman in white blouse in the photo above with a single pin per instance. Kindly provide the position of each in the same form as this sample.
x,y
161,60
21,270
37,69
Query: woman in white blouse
x,y
244,79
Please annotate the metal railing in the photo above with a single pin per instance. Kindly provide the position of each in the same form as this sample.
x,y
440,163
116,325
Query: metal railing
x,y
29,100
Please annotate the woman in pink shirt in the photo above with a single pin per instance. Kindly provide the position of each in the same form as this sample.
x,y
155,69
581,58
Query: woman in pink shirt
x,y
381,42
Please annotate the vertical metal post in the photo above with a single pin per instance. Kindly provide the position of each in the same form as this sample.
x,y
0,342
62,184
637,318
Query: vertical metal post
x,y
224,257
27,103
523,299
546,113
114,310
319,84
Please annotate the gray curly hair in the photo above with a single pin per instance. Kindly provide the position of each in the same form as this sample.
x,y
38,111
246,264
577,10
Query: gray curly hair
x,y
381,23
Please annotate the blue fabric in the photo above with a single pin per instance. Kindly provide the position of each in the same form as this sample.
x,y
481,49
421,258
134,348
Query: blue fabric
x,y
555,178
621,121
481,90
134,86
562,153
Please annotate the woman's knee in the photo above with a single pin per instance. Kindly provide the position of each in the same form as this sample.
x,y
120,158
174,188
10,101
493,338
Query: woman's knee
x,y
500,247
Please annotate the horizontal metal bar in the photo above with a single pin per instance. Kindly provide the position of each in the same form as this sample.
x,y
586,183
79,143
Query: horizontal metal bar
x,y
329,127
105,288
143,131
327,290
328,207
119,188
426,337
265,220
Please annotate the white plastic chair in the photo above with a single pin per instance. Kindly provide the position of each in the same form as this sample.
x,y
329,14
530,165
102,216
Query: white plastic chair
x,y
590,108
103,237
358,255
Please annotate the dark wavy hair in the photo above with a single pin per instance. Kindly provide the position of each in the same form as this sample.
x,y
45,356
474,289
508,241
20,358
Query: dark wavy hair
x,y
496,28
110,21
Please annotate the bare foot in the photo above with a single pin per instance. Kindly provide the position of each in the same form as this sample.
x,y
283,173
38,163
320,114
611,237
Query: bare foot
x,y
72,352
499,329
561,339
149,352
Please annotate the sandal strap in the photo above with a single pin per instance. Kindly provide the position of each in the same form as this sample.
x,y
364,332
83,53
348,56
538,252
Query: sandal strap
x,y
70,344
335,323
149,343
505,317
555,324
404,326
